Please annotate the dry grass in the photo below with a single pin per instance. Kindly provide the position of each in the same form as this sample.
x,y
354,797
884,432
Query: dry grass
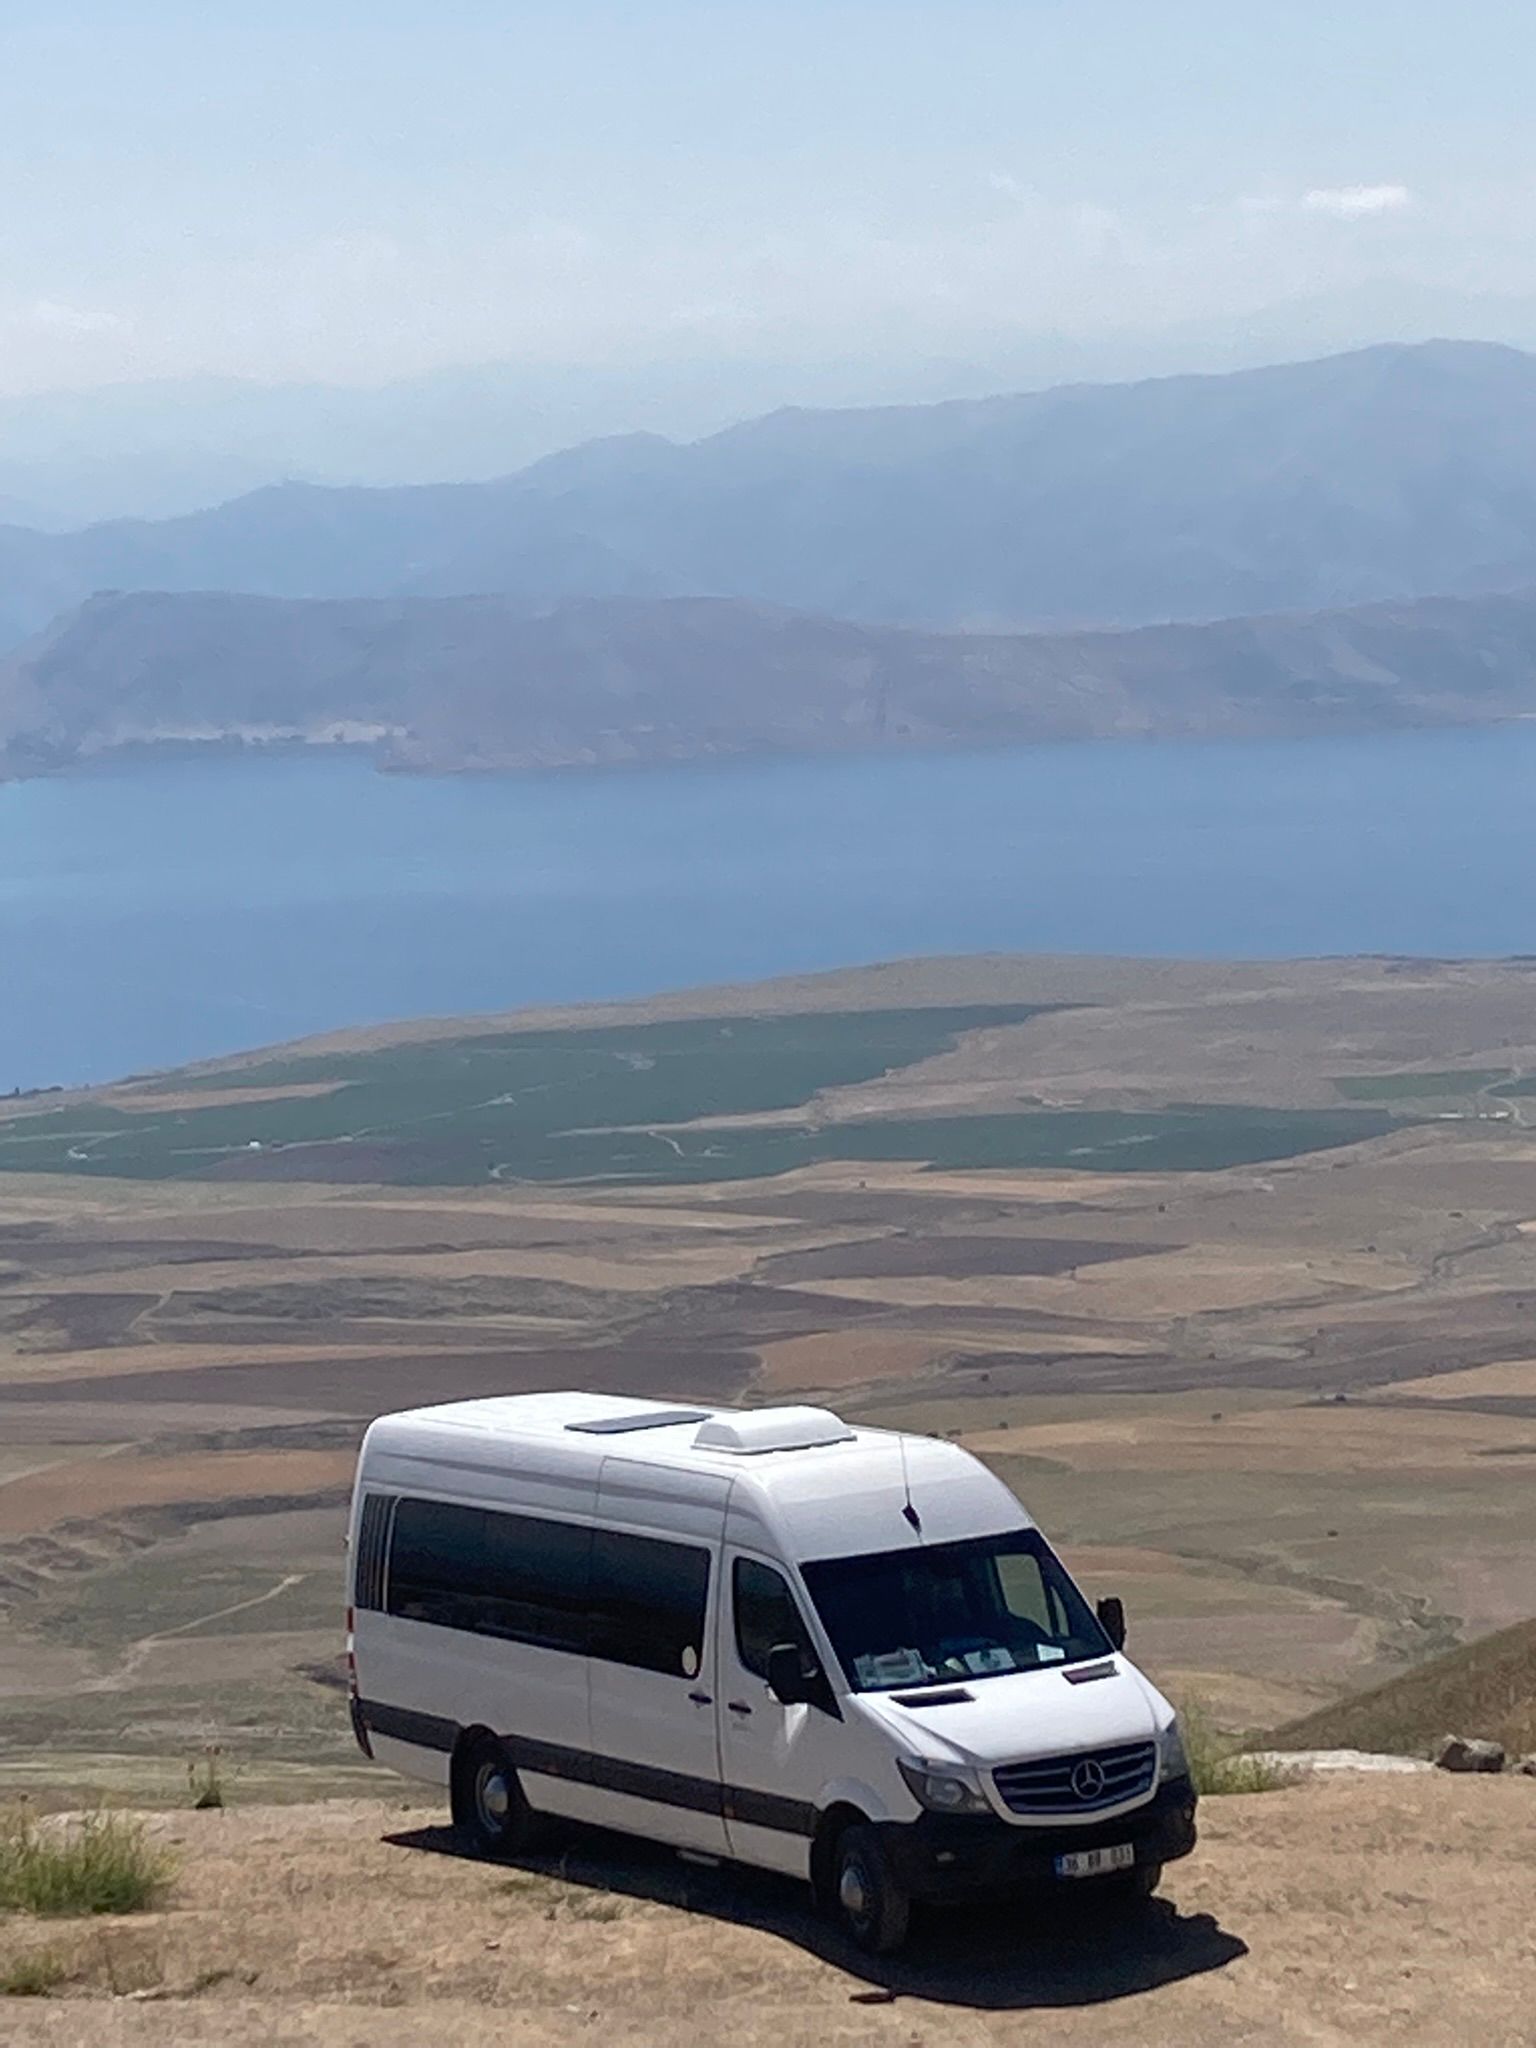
x,y
103,1863
33,1975
1503,1378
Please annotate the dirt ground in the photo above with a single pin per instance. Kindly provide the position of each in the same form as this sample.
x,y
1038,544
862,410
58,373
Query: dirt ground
x,y
1352,1911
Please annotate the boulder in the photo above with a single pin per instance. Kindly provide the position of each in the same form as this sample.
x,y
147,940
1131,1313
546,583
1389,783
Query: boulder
x,y
1525,1765
1466,1753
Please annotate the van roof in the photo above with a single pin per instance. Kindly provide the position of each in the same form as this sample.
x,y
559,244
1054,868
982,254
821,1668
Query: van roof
x,y
808,1482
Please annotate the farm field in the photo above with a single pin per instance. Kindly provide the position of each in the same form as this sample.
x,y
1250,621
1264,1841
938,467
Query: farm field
x,y
690,1100
1278,1392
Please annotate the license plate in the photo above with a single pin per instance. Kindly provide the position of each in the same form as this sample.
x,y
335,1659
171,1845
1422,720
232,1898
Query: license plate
x,y
1096,1862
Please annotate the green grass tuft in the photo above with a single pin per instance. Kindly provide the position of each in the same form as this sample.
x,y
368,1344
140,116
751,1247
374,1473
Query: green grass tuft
x,y
101,1864
1217,1764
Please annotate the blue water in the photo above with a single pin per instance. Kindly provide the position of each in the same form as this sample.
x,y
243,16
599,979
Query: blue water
x,y
173,910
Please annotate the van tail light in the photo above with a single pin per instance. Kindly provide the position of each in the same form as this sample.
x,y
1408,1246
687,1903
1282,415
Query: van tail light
x,y
351,1656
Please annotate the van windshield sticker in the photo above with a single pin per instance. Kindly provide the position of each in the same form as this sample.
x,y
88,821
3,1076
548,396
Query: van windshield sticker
x,y
1051,1653
980,1662
891,1667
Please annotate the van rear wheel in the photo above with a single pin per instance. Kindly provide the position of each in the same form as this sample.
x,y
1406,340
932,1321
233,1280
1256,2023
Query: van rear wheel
x,y
865,1893
489,1808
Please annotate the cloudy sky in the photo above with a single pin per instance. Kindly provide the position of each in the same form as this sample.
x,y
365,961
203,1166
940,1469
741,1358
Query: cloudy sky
x,y
356,189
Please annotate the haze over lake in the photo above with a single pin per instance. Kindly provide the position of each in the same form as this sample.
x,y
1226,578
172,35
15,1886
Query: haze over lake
x,y
177,909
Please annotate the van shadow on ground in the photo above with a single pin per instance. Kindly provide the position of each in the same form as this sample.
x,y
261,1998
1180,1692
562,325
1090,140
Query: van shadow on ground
x,y
999,1958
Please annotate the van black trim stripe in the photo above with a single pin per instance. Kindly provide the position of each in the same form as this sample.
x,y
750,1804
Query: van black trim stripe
x,y
403,1724
615,1774
743,1803
756,1809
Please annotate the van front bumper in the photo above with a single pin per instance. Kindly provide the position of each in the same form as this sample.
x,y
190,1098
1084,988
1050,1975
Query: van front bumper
x,y
943,1856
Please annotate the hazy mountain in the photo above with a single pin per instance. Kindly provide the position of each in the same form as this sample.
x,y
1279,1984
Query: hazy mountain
x,y
1390,473
462,683
157,449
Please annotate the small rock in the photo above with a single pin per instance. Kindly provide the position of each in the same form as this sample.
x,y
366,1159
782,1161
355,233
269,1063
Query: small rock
x,y
1525,1765
1466,1753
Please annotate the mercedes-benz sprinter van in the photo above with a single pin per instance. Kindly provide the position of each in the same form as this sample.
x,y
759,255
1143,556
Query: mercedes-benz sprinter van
x,y
760,1634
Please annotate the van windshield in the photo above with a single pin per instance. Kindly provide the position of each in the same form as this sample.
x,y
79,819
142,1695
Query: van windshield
x,y
968,1610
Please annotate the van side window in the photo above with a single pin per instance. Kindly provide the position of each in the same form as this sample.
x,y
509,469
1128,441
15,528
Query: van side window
x,y
370,1557
765,1613
515,1576
1029,1595
648,1602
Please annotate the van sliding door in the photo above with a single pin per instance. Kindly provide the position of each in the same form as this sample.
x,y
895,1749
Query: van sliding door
x,y
651,1672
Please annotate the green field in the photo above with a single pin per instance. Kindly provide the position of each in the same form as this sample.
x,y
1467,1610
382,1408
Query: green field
x,y
1449,1085
606,1105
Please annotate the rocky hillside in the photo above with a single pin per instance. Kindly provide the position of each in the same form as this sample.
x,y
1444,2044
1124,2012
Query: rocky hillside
x,y
452,684
1486,1689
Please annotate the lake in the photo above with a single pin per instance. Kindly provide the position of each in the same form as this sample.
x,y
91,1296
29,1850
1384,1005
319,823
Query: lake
x,y
174,909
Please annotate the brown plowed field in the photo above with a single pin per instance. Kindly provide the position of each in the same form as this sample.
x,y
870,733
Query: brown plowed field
x,y
946,1257
107,1486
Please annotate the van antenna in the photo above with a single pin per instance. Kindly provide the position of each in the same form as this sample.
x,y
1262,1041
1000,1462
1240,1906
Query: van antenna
x,y
909,1512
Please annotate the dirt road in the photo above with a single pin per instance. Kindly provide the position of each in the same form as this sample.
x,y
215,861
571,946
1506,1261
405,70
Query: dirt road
x,y
1359,1911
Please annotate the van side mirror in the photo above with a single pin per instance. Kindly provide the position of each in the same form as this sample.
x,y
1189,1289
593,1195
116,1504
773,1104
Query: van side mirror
x,y
1111,1613
788,1680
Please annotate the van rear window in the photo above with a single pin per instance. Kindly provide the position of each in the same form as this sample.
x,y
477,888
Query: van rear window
x,y
516,1576
368,1559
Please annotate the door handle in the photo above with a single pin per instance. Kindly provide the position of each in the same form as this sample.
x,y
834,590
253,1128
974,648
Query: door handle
x,y
738,1707
702,1699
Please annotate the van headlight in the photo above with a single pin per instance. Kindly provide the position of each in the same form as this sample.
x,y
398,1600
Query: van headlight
x,y
1172,1761
943,1788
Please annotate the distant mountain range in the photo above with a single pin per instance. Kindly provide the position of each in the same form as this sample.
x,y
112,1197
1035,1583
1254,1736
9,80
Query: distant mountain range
x,y
451,684
1344,542
1391,473
157,449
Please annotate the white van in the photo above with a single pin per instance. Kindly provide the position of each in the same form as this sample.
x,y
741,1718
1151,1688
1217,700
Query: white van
x,y
760,1634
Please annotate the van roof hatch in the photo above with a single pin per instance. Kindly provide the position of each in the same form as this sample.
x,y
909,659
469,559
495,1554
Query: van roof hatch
x,y
772,1429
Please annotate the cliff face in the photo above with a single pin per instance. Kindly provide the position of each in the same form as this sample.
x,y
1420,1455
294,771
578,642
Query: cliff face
x,y
463,683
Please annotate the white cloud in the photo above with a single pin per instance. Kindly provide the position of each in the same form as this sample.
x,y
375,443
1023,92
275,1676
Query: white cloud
x,y
1357,202
54,317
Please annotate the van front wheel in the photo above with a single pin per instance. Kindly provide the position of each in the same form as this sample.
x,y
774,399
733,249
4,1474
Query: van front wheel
x,y
488,1803
866,1896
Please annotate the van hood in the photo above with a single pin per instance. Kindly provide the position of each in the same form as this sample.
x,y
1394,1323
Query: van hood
x,y
1016,1715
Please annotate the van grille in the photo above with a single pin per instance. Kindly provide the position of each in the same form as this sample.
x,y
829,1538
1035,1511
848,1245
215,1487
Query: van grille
x,y
1080,1783
373,1527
